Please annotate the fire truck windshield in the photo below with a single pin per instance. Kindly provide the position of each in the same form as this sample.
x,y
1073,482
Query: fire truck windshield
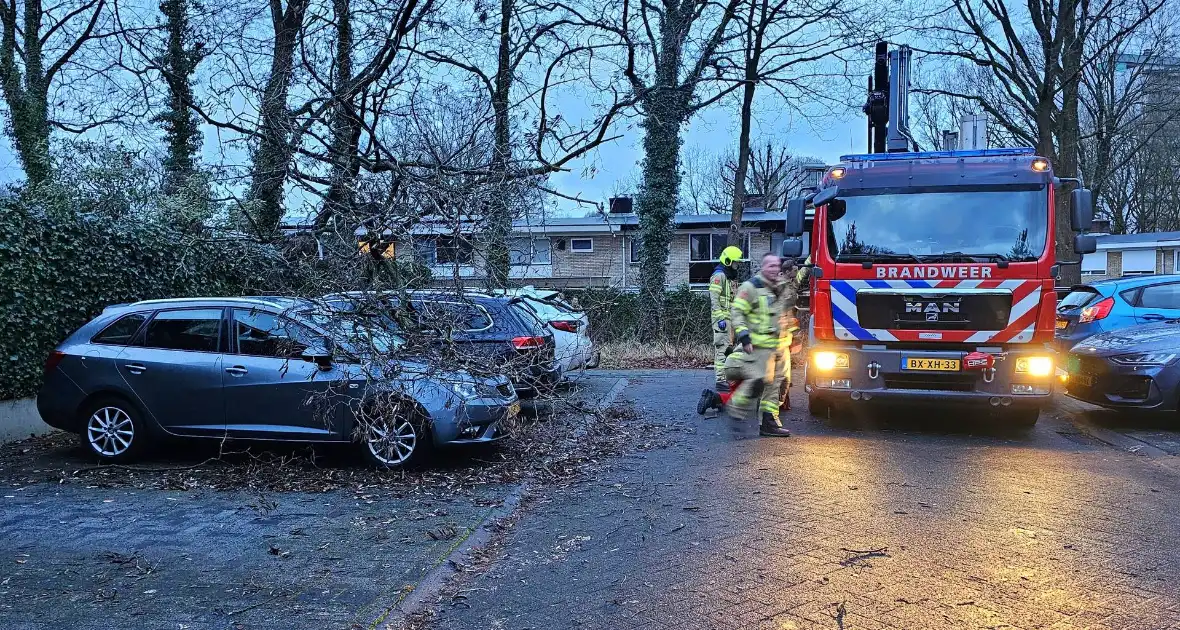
x,y
946,225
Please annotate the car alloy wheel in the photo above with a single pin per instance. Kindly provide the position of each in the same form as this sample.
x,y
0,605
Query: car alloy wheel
x,y
110,431
394,444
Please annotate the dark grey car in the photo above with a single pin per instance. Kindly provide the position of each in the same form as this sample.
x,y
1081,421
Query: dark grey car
x,y
1136,367
259,368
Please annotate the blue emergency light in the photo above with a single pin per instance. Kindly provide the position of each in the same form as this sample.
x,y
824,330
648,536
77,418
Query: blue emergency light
x,y
925,155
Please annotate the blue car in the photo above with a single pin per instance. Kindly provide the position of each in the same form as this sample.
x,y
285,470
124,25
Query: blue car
x,y
1114,304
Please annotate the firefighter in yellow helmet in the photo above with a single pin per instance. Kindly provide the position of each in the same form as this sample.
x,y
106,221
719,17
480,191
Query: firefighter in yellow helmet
x,y
758,326
722,285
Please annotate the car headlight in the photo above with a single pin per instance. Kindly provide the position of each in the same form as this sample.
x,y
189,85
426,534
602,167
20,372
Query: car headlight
x,y
1144,358
1034,366
825,361
465,390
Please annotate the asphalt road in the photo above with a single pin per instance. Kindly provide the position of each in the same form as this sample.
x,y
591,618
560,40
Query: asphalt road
x,y
923,520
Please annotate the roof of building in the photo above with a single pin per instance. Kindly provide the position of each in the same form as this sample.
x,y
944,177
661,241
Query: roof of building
x,y
1143,240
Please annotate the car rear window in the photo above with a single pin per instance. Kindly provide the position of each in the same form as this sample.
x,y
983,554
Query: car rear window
x,y
1077,299
122,331
467,317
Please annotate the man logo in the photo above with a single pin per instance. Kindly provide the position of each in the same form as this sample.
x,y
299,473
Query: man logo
x,y
932,309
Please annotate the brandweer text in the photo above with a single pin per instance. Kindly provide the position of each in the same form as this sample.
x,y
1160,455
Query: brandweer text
x,y
934,272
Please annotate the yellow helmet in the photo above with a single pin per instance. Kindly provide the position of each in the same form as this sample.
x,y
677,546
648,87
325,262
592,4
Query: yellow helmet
x,y
730,254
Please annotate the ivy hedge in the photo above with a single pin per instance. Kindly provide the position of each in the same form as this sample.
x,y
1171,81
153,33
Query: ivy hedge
x,y
61,264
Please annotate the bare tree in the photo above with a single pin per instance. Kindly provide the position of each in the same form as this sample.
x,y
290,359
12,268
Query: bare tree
x,y
1036,56
783,45
773,173
46,54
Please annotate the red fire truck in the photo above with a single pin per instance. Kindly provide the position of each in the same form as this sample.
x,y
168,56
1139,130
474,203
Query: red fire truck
x,y
933,272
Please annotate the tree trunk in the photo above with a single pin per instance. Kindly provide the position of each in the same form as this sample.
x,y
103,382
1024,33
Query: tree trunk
x,y
346,126
1068,136
665,108
180,127
272,158
743,159
499,219
27,96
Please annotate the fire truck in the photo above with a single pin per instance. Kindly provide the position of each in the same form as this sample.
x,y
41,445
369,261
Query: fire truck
x,y
932,273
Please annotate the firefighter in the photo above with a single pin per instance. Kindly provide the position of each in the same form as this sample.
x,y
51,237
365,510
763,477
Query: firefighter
x,y
722,285
789,325
757,320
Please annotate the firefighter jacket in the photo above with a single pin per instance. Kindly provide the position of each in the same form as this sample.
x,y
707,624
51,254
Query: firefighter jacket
x,y
758,311
721,290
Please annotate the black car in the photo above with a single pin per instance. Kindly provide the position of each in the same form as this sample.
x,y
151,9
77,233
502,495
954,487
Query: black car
x,y
495,334
1134,367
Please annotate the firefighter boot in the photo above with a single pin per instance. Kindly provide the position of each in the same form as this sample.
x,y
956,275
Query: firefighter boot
x,y
771,428
709,400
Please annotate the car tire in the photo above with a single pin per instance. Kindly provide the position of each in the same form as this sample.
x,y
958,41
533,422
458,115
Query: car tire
x,y
1024,418
404,441
113,430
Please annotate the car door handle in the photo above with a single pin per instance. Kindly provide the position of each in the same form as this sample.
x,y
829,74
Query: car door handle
x,y
237,370
1154,318
135,368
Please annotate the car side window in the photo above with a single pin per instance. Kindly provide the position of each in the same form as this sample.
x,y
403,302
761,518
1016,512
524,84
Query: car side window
x,y
1160,296
122,331
265,335
196,330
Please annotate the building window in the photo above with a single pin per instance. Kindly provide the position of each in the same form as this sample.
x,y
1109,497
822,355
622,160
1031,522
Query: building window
x,y
1138,262
1094,264
1176,261
581,244
446,250
524,252
704,252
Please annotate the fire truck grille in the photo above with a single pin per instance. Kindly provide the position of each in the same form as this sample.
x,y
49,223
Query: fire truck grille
x,y
934,311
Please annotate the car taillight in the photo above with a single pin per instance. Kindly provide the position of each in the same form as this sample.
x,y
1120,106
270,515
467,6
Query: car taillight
x,y
1096,311
565,325
524,343
55,357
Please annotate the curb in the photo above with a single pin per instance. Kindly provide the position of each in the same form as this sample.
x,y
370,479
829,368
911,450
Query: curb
x,y
431,584
427,589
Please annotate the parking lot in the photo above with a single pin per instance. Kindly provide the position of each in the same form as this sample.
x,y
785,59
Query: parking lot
x,y
872,522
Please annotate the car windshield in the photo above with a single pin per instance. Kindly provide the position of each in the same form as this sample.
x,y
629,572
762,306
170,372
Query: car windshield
x,y
944,225
357,334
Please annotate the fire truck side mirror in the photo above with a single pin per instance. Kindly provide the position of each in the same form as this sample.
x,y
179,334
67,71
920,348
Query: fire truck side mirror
x,y
1085,243
795,217
1081,210
792,248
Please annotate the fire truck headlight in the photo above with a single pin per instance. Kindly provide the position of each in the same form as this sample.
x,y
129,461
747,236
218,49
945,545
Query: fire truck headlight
x,y
827,361
1034,366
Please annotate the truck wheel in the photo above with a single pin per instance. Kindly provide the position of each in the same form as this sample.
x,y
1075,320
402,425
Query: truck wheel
x,y
817,406
1024,418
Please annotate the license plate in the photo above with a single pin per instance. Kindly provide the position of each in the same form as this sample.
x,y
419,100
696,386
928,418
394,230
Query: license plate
x,y
1085,380
1062,323
514,410
930,365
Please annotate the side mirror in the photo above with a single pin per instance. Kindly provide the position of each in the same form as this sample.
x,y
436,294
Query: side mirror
x,y
1081,210
319,355
792,248
796,209
1085,243
825,195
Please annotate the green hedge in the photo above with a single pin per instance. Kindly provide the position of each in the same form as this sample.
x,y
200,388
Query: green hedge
x,y
614,315
60,266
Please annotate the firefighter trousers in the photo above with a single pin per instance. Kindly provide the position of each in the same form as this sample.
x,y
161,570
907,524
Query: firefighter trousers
x,y
721,343
762,385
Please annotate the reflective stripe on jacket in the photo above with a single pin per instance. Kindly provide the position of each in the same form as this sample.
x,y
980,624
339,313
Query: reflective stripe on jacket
x,y
758,310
